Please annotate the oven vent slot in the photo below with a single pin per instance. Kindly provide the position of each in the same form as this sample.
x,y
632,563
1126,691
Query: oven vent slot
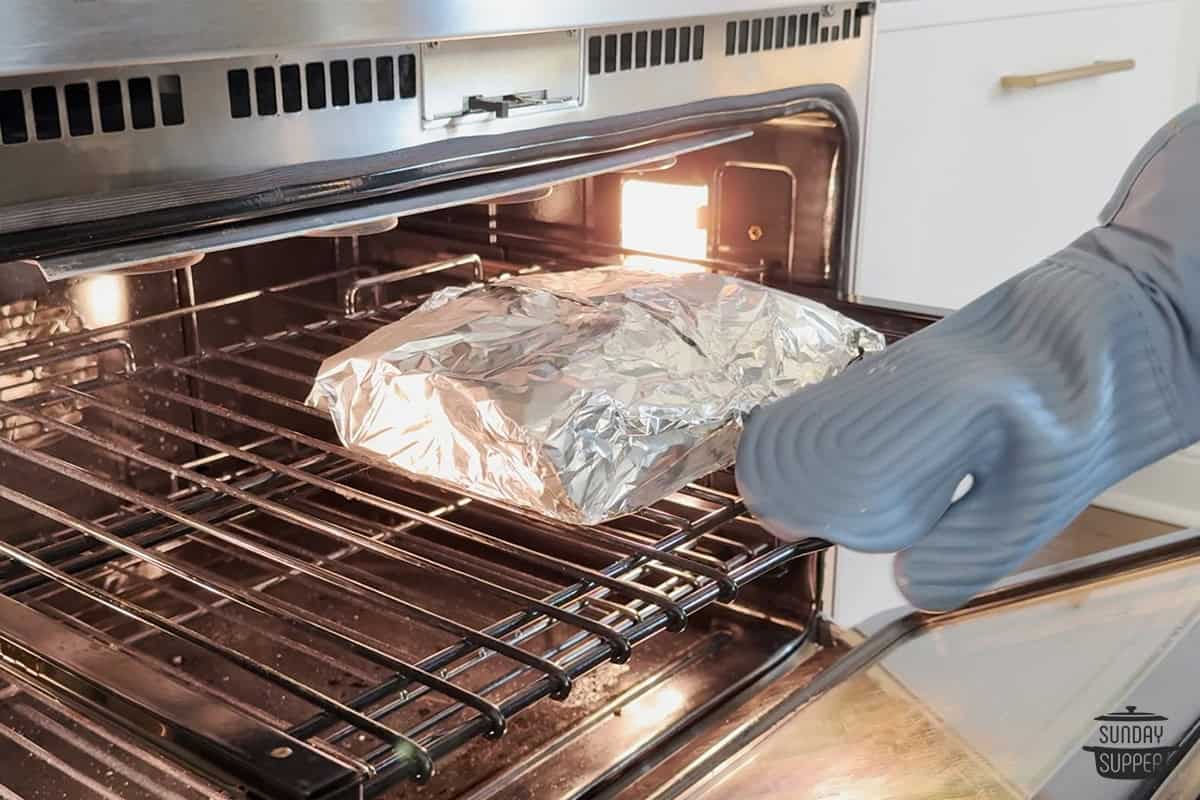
x,y
648,48
12,117
793,30
38,112
264,91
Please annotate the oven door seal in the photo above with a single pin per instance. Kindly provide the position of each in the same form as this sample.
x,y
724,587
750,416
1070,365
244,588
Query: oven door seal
x,y
48,230
207,240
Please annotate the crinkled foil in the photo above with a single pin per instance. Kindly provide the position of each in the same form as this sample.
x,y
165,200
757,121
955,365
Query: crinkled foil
x,y
581,396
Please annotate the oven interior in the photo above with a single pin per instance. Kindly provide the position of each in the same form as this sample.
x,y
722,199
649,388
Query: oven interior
x,y
190,557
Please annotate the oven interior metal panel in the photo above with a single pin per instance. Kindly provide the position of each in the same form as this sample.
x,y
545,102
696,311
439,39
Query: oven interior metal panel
x,y
50,749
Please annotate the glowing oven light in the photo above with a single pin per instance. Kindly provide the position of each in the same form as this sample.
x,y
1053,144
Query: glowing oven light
x,y
663,218
102,300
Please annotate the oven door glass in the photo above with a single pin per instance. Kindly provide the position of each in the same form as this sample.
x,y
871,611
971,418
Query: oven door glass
x,y
1088,691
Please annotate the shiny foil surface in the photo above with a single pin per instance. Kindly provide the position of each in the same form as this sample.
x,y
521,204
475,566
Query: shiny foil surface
x,y
580,396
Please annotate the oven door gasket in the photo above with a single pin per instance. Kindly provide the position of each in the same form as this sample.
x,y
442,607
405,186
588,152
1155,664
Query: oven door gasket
x,y
351,189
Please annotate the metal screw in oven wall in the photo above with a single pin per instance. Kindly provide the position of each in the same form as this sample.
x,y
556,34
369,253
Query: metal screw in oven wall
x,y
754,233
434,45
827,10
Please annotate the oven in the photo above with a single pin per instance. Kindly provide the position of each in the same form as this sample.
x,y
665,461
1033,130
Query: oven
x,y
203,594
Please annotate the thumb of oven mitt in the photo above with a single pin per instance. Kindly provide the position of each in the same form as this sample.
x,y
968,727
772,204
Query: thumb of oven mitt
x,y
1046,391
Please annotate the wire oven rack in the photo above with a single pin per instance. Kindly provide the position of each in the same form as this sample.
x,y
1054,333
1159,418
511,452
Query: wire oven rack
x,y
296,617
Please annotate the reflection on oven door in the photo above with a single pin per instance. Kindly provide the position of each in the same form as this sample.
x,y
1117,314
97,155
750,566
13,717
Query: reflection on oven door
x,y
1080,692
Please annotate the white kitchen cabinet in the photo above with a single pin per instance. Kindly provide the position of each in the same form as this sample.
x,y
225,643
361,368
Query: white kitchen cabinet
x,y
966,183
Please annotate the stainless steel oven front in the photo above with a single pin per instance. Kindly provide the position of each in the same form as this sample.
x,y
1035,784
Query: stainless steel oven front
x,y
203,207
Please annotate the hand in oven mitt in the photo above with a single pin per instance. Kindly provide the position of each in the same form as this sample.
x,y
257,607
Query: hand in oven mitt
x,y
1045,391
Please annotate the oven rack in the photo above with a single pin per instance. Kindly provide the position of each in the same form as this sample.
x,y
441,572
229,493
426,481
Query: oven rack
x,y
273,540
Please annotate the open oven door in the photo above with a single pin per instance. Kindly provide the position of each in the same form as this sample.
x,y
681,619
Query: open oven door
x,y
1078,680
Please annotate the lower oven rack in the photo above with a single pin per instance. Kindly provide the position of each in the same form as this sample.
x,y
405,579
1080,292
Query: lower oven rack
x,y
276,598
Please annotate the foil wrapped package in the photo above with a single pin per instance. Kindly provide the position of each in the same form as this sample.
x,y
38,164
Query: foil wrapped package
x,y
581,396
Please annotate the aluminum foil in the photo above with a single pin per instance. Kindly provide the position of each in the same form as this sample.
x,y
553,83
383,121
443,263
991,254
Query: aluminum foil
x,y
581,396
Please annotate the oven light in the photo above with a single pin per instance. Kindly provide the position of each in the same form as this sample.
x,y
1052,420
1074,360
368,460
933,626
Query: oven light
x,y
101,300
663,218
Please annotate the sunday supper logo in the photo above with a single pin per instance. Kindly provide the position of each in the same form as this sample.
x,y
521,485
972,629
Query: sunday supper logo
x,y
1130,744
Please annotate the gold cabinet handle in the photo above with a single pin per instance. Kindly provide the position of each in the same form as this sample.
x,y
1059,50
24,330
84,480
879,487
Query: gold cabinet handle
x,y
1064,75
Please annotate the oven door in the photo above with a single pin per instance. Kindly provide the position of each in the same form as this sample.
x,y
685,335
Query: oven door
x,y
1072,681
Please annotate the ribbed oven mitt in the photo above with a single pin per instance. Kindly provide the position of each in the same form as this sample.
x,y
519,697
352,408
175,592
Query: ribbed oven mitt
x,y
1046,391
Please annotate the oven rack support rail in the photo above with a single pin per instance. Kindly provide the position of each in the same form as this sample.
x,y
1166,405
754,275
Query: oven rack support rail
x,y
138,567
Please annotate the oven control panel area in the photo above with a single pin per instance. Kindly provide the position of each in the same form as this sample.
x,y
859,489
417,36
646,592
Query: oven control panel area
x,y
108,130
501,77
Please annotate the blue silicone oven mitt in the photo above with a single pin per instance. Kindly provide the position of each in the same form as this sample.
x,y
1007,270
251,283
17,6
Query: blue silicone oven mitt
x,y
1046,391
